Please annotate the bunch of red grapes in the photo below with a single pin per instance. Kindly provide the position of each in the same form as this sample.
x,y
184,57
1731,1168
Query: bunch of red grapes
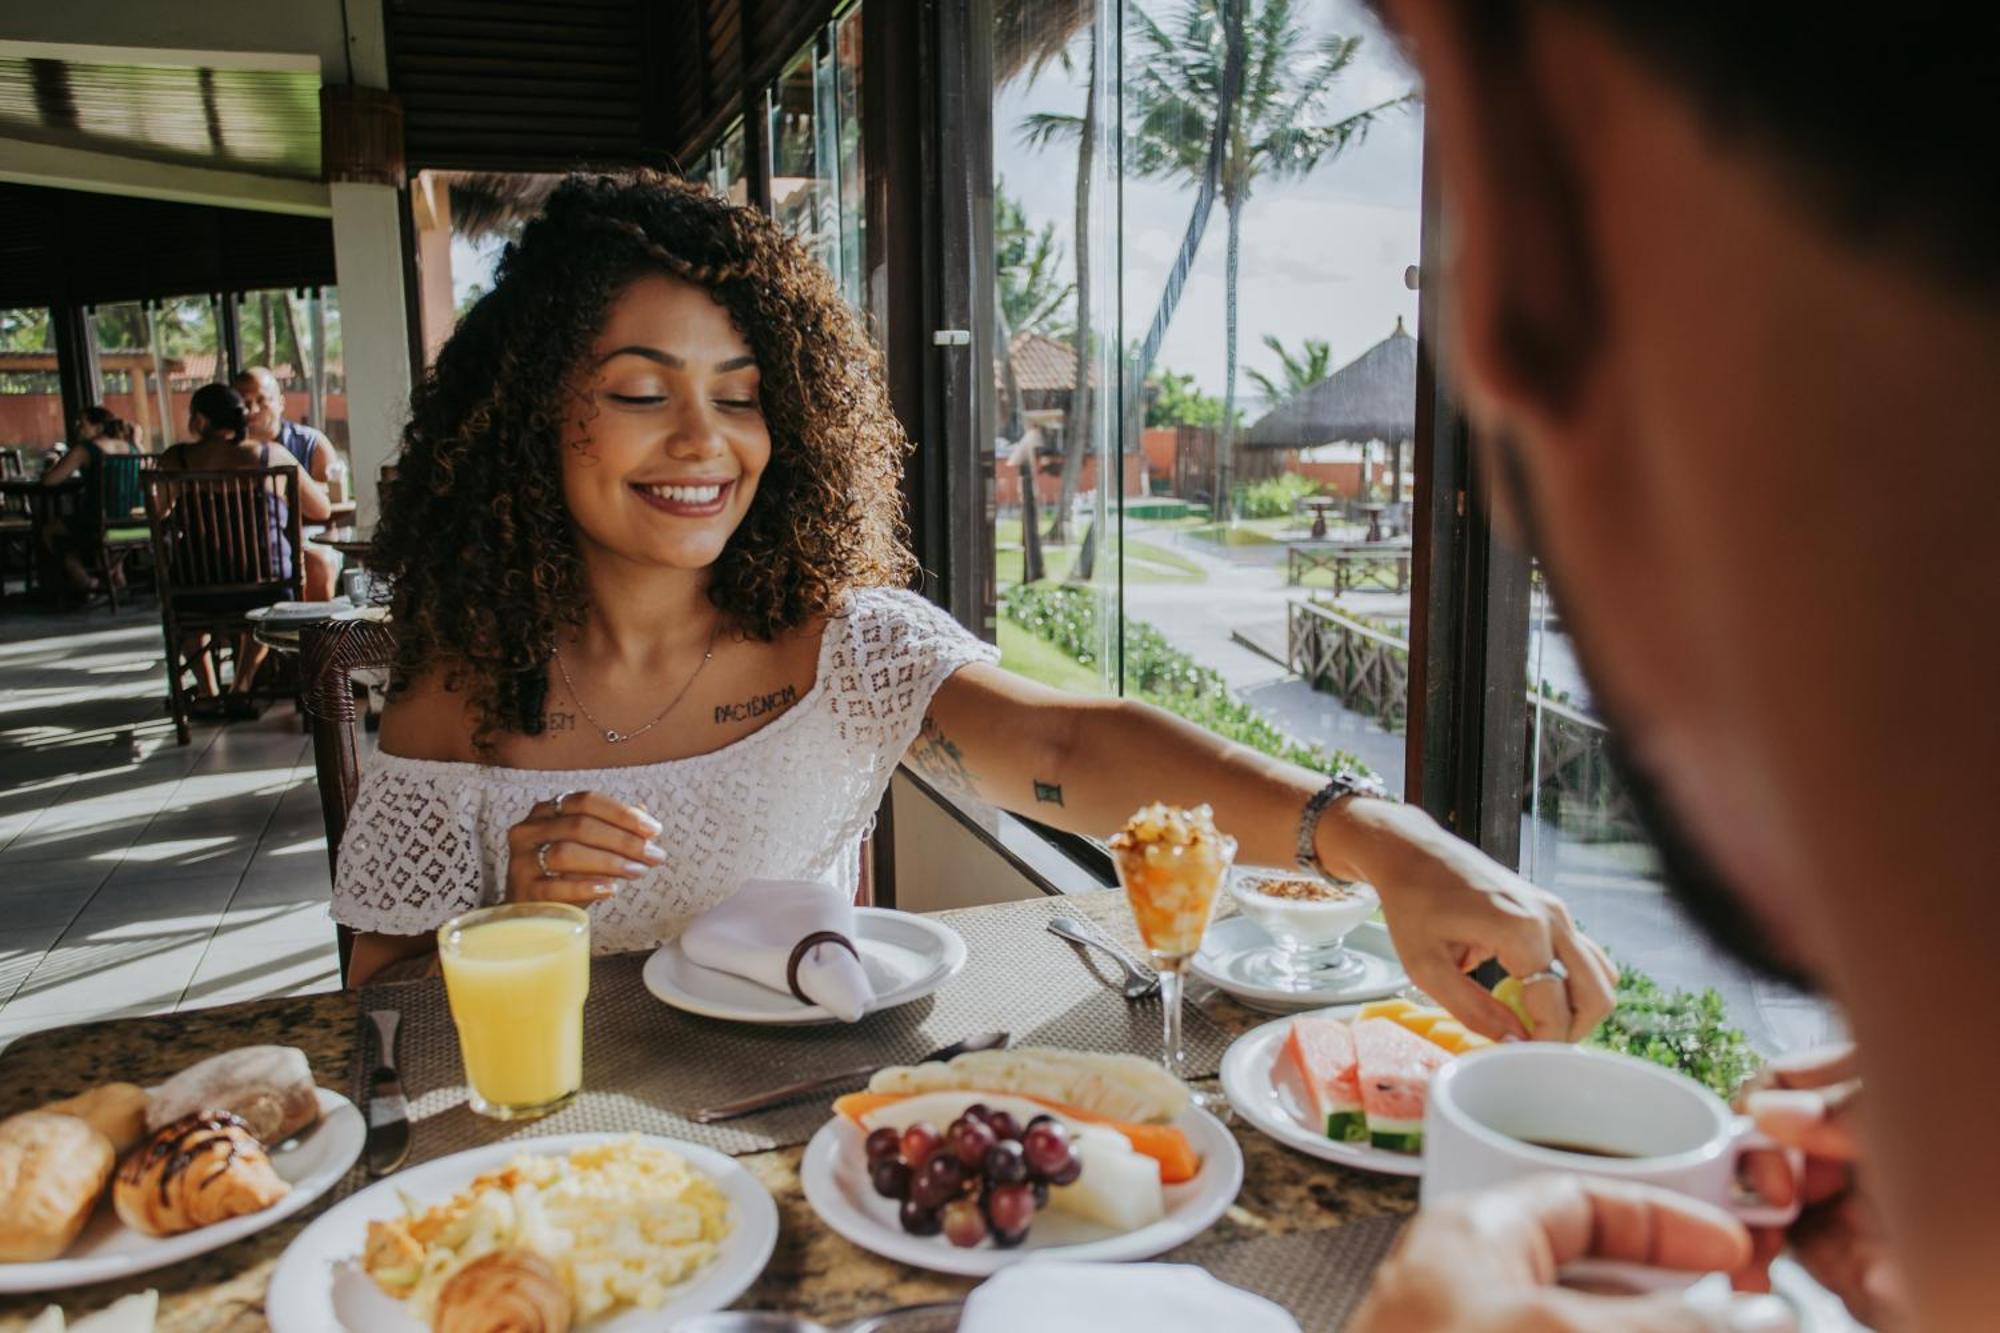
x,y
984,1176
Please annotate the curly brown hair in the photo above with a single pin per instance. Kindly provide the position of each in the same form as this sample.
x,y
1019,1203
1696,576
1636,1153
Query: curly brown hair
x,y
475,534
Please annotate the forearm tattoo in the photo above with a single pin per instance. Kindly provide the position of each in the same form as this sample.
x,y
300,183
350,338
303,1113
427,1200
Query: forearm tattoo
x,y
942,763
1048,793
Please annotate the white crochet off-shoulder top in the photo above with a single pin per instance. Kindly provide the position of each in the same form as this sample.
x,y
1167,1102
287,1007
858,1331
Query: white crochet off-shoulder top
x,y
427,839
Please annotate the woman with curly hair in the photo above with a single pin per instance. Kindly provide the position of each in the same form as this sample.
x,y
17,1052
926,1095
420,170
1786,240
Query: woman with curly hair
x,y
654,640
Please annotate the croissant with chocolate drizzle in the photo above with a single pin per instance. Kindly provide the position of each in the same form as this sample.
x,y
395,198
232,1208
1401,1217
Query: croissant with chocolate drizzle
x,y
201,1169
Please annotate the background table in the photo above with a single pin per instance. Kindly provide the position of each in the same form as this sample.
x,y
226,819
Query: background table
x,y
813,1271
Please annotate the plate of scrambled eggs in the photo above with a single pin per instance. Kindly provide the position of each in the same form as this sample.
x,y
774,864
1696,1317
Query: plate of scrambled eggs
x,y
603,1232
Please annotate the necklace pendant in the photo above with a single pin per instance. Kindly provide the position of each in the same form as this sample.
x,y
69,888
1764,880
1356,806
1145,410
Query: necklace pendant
x,y
612,737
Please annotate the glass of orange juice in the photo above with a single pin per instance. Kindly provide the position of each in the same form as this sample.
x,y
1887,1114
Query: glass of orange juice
x,y
516,977
1173,864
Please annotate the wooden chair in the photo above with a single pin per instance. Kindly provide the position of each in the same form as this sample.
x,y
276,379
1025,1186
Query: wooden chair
x,y
218,555
119,480
329,655
17,523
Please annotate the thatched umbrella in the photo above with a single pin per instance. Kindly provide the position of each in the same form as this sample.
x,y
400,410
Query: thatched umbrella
x,y
1372,397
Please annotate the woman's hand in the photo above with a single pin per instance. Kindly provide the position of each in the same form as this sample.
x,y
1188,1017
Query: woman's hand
x,y
1489,1261
573,849
1450,908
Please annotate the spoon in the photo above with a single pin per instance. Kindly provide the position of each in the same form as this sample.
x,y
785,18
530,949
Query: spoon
x,y
984,1041
1139,983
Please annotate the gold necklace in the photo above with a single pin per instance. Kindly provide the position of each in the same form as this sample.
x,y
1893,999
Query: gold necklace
x,y
613,736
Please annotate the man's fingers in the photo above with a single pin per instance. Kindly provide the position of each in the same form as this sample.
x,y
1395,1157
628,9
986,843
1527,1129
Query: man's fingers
x,y
1818,1122
1586,1218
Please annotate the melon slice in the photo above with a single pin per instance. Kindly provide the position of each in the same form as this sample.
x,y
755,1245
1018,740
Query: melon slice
x,y
1317,1064
1456,1037
1395,1067
1422,1021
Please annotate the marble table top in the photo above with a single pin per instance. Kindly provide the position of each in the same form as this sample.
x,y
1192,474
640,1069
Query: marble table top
x,y
813,1271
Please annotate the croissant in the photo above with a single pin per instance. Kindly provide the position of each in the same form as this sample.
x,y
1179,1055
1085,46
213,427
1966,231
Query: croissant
x,y
507,1291
52,1173
199,1170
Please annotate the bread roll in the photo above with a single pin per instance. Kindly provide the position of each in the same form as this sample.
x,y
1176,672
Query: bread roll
x,y
270,1087
52,1173
202,1169
115,1110
507,1291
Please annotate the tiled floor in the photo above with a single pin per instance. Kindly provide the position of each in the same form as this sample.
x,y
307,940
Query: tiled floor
x,y
136,875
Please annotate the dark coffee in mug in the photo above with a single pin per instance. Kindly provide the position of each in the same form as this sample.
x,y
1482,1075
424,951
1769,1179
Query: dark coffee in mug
x,y
1580,1149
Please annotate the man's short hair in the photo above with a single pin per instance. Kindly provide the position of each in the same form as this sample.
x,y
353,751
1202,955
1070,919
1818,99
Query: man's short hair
x,y
1886,118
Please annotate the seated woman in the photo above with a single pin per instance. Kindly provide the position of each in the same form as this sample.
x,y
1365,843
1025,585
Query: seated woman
x,y
98,433
219,422
654,640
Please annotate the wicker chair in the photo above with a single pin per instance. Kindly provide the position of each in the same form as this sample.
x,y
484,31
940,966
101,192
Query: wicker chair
x,y
17,523
218,557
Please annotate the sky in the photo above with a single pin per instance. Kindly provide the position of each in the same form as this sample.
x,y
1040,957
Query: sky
x,y
1322,257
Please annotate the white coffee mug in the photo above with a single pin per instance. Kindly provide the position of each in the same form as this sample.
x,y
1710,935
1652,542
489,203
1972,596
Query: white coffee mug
x,y
1529,1108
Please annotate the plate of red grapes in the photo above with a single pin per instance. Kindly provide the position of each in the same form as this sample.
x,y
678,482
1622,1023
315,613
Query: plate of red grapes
x,y
969,1181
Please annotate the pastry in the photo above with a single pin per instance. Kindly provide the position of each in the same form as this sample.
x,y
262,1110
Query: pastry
x,y
270,1087
507,1291
52,1173
201,1169
115,1110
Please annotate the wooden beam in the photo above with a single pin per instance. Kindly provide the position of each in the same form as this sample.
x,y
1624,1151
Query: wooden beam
x,y
109,173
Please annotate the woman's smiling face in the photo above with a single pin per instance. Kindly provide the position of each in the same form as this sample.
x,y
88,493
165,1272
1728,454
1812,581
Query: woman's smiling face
x,y
664,450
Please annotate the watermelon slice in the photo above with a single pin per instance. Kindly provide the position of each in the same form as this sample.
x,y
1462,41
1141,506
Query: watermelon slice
x,y
1395,1067
1317,1063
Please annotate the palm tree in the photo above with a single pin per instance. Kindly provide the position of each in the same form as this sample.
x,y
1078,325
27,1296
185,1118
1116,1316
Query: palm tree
x,y
1038,131
1031,299
1299,373
1274,125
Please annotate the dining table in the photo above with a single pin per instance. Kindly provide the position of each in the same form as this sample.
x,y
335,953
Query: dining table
x,y
1304,1232
352,541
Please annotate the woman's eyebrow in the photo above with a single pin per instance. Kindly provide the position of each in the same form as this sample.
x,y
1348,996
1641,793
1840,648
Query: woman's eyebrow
x,y
672,362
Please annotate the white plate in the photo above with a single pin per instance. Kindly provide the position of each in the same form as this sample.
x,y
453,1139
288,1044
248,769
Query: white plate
x,y
317,1273
905,956
312,1162
834,1174
1229,946
1246,1081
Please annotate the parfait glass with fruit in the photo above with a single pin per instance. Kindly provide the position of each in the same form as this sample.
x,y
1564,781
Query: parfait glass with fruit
x,y
1173,863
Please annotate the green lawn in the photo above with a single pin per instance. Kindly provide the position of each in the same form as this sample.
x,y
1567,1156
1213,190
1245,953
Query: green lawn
x,y
1243,534
1036,658
1149,563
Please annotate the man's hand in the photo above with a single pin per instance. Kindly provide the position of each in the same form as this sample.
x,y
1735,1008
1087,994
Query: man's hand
x,y
1809,1103
1486,1262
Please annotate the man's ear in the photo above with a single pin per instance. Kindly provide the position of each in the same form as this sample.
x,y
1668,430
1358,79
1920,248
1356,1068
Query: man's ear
x,y
1522,304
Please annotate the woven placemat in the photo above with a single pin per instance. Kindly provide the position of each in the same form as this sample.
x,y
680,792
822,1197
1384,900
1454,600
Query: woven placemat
x,y
1320,1276
648,1067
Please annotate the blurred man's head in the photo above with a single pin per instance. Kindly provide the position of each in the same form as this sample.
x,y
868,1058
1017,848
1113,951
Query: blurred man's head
x,y
1721,296
264,398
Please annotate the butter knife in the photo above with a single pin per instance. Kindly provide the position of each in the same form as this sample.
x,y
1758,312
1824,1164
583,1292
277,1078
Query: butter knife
x,y
388,1141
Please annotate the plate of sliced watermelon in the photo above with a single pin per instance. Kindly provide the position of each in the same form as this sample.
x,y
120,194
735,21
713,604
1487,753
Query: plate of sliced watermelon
x,y
1347,1084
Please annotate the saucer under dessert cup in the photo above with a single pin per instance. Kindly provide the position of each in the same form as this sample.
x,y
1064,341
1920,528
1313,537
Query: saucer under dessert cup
x,y
1172,864
1308,920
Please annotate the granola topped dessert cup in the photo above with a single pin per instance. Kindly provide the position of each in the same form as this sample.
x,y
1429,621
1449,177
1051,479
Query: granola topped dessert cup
x,y
1173,864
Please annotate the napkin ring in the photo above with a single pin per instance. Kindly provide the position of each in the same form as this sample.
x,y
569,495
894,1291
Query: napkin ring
x,y
806,946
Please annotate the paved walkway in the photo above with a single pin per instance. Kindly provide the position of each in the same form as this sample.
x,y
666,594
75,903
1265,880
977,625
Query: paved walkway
x,y
138,876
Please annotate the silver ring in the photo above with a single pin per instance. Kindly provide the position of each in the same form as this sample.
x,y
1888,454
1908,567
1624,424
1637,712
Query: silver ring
x,y
561,797
542,859
1555,972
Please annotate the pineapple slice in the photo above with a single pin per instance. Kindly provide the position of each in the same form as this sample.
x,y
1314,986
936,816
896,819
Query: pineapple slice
x,y
1421,1021
1390,1009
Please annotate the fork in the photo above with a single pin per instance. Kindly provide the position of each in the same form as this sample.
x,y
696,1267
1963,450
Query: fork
x,y
1139,983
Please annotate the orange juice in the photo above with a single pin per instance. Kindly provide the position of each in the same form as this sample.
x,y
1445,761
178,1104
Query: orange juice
x,y
516,978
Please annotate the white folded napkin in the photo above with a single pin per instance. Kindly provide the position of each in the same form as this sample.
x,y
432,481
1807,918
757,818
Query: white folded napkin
x,y
1055,1297
753,932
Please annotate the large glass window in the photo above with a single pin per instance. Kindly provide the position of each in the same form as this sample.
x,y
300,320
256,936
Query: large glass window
x,y
815,137
296,335
1205,377
727,169
31,414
